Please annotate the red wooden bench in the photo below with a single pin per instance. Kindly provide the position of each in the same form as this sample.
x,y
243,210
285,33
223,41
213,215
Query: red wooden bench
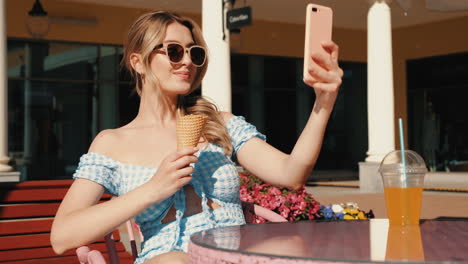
x,y
26,214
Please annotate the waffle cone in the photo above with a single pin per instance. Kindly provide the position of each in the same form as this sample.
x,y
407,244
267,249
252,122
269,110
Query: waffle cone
x,y
189,130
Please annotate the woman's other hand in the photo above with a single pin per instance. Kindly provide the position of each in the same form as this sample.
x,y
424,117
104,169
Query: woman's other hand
x,y
325,75
173,173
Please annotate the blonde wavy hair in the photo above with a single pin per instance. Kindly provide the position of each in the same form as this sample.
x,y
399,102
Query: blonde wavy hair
x,y
150,29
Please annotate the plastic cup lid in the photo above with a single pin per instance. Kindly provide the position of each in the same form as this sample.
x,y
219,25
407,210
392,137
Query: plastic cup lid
x,y
393,164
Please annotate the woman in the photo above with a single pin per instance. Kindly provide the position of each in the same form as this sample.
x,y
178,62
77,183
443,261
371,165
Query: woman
x,y
155,184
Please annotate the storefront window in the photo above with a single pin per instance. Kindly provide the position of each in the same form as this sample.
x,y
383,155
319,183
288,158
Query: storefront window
x,y
437,92
270,93
60,95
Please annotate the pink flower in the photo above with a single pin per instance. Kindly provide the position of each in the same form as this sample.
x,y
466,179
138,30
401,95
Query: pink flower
x,y
279,200
274,191
293,205
259,220
292,197
284,211
302,204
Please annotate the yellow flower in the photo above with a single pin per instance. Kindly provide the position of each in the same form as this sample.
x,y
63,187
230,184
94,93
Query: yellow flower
x,y
361,215
352,211
348,217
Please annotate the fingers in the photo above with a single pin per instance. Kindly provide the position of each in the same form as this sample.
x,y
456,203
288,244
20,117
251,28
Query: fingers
x,y
327,87
185,161
332,49
183,176
328,61
324,68
320,74
184,180
180,153
324,60
179,162
186,171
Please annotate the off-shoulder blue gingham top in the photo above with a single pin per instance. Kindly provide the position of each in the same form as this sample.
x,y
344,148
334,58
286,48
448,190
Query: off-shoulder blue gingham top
x,y
215,177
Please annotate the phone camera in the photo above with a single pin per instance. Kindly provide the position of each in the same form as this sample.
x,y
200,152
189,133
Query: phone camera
x,y
314,9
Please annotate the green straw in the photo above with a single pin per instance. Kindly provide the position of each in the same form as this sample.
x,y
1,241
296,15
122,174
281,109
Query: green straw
x,y
402,147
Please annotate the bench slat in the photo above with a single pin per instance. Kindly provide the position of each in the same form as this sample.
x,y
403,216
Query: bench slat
x,y
28,210
33,253
38,184
124,258
37,195
30,253
25,241
55,260
29,241
25,227
23,195
26,215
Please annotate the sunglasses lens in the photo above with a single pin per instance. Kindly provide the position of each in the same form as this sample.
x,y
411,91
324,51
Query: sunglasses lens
x,y
175,52
197,54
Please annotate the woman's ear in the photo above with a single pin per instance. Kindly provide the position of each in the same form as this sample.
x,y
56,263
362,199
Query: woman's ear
x,y
137,63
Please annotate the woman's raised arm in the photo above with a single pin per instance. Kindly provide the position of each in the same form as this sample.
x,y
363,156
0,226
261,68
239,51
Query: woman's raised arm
x,y
292,170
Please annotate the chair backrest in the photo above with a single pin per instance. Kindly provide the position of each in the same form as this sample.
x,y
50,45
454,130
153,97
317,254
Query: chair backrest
x,y
87,256
27,210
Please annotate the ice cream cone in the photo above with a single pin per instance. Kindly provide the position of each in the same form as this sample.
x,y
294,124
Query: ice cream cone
x,y
189,130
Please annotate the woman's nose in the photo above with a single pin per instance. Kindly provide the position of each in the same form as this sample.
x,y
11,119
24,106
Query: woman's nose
x,y
186,59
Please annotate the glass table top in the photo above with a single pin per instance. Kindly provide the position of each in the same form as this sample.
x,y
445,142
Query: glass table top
x,y
356,241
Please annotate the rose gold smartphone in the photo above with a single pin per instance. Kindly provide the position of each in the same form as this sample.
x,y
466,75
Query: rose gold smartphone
x,y
318,23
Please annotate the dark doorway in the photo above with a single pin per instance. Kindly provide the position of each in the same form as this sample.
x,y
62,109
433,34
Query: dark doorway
x,y
437,110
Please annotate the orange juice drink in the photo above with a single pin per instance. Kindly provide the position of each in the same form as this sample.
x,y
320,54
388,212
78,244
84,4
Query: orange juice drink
x,y
404,243
403,175
403,205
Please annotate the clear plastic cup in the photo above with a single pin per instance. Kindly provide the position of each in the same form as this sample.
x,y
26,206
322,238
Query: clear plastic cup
x,y
403,181
404,243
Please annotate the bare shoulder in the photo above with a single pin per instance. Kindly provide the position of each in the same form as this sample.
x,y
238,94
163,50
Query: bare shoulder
x,y
226,116
104,141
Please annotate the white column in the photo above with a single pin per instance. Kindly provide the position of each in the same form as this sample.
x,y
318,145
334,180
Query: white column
x,y
217,82
3,93
380,82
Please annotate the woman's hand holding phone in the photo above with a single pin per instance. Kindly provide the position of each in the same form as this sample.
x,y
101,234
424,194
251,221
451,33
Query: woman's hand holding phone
x,y
321,70
324,75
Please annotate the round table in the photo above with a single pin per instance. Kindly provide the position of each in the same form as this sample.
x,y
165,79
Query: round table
x,y
336,241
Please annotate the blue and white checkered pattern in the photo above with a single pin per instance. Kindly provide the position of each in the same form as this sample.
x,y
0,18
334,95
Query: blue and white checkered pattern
x,y
215,177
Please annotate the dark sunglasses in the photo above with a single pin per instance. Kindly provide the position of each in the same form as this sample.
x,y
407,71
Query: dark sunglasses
x,y
175,52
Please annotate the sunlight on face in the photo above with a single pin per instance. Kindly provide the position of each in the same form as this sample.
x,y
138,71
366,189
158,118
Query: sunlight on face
x,y
174,78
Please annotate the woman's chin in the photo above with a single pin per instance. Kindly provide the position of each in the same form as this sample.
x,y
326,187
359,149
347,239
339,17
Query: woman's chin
x,y
185,90
178,91
177,88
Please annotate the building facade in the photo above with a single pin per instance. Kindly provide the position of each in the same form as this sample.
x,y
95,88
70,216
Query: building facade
x,y
66,87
